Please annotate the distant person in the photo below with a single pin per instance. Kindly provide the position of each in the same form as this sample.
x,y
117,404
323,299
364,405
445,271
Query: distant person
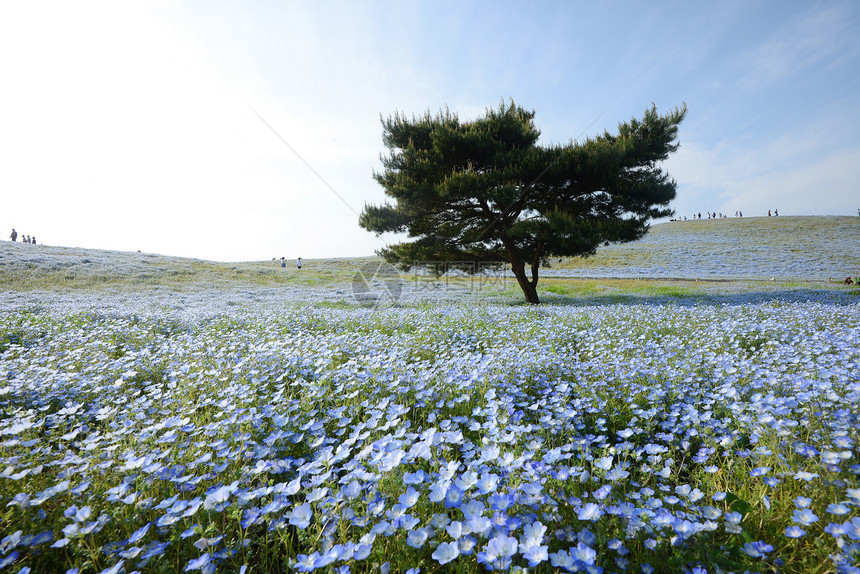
x,y
776,213
283,263
14,235
299,263
768,213
736,214
700,215
741,213
33,239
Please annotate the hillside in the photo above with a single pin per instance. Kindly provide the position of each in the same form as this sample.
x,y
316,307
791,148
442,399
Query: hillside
x,y
795,248
787,248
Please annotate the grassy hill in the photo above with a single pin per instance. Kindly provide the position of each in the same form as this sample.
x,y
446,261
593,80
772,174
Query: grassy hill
x,y
788,248
795,248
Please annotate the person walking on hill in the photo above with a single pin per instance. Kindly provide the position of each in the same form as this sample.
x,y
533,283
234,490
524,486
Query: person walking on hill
x,y
299,263
14,235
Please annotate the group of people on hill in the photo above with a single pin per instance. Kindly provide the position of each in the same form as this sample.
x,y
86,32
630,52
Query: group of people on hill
x,y
298,262
24,238
715,215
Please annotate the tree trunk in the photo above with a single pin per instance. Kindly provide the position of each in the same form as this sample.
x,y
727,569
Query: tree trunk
x,y
518,266
529,287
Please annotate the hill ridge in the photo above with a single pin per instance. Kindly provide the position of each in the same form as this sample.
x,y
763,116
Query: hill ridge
x,y
786,247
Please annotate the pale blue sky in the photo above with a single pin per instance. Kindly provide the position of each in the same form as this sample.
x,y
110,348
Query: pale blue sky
x,y
134,125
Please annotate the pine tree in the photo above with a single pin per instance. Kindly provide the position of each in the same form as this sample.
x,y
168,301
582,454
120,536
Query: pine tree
x,y
484,190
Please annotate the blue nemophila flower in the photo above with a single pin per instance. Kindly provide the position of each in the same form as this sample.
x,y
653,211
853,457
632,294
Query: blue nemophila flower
x,y
352,489
301,516
583,553
453,496
757,549
733,521
199,562
759,471
487,483
535,554
130,553
409,498
306,562
5,561
794,531
218,498
414,477
501,501
835,529
802,502
479,525
804,475
416,538
590,511
317,494
602,492
438,490
446,552
498,552
454,529
562,559
114,569
837,509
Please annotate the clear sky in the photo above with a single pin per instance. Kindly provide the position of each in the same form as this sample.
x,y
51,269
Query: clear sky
x,y
151,125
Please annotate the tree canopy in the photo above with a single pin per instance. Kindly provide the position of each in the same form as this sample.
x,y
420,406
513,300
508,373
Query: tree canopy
x,y
484,190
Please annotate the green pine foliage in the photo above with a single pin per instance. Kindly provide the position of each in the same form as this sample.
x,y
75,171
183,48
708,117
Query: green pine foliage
x,y
484,190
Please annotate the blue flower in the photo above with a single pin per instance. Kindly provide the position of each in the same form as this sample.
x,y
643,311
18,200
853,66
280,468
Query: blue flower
x,y
804,475
416,538
589,511
837,509
199,562
759,471
804,516
301,516
409,498
446,552
757,549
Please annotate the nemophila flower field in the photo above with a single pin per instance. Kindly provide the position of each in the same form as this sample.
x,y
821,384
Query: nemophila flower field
x,y
685,435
